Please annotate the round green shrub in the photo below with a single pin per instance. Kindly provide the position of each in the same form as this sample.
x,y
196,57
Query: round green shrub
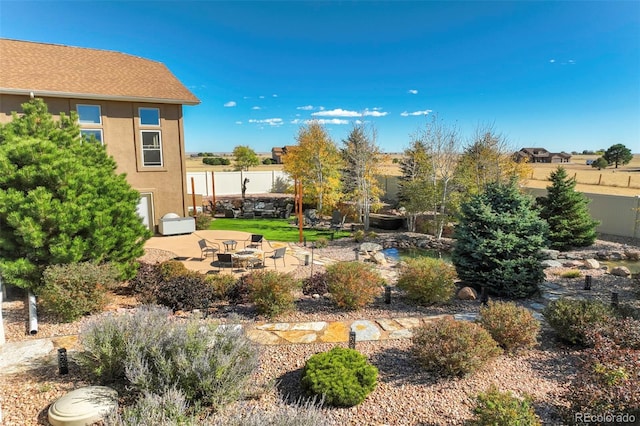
x,y
72,290
571,318
321,242
353,285
503,409
453,348
343,377
221,284
427,280
172,268
271,291
512,326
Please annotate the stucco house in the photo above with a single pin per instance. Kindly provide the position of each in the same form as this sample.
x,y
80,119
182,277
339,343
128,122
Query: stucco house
x,y
130,104
541,155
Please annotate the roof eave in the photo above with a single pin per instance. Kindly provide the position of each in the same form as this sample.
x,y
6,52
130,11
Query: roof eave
x,y
93,96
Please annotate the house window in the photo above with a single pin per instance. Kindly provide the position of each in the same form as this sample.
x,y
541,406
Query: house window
x,y
151,148
89,114
149,116
89,134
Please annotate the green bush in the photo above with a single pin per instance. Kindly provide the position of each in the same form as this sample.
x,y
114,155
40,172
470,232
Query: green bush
x,y
343,377
203,221
608,378
571,318
221,285
503,409
353,285
359,236
321,242
271,292
172,268
149,351
428,280
72,290
216,161
453,348
512,326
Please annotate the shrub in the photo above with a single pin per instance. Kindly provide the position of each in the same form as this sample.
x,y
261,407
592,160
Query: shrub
x,y
428,280
316,284
503,409
353,284
359,236
203,221
271,292
512,326
185,292
75,289
608,379
148,351
240,292
146,282
571,274
221,285
172,268
299,414
343,377
168,408
321,242
453,348
571,318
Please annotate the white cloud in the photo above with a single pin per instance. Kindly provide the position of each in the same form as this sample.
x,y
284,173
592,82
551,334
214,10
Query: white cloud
x,y
238,122
256,107
274,95
374,113
330,121
306,107
338,112
407,114
572,62
295,121
552,60
270,121
412,91
261,97
245,97
321,108
230,104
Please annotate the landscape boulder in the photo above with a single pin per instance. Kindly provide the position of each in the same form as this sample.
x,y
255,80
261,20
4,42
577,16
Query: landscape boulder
x,y
591,264
467,293
621,271
551,264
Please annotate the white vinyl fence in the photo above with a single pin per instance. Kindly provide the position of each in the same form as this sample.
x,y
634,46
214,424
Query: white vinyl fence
x,y
230,183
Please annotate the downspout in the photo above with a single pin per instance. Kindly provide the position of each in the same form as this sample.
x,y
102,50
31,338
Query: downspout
x,y
33,314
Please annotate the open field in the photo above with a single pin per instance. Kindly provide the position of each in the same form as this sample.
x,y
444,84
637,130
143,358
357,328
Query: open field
x,y
622,181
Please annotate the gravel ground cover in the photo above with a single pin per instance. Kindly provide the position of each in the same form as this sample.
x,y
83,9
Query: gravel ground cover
x,y
405,395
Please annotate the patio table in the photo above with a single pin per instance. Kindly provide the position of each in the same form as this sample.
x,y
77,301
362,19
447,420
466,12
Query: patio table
x,y
248,256
230,245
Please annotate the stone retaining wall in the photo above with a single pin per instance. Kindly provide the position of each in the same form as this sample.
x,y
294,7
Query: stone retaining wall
x,y
409,240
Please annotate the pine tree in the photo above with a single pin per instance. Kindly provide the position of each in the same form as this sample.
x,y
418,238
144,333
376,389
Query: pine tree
x,y
498,242
61,200
565,210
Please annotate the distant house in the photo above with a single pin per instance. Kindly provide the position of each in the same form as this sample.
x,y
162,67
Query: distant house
x,y
541,155
130,104
277,153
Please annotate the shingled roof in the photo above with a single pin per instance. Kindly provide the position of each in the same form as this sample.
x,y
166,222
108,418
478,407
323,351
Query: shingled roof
x,y
64,71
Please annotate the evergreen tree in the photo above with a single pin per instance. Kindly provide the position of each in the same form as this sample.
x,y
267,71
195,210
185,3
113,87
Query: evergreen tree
x,y
566,212
499,239
61,200
618,153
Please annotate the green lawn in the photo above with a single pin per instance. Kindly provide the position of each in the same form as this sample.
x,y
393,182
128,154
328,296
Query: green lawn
x,y
273,229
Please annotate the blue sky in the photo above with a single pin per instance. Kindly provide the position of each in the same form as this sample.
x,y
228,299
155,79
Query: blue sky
x,y
560,75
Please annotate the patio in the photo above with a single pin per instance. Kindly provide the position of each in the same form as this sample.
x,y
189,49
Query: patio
x,y
187,250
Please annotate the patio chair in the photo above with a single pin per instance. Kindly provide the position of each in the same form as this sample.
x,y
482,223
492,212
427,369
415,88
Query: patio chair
x,y
277,254
337,220
207,248
311,217
255,241
225,260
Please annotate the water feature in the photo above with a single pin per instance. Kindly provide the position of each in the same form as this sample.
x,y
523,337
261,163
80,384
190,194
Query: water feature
x,y
633,265
396,255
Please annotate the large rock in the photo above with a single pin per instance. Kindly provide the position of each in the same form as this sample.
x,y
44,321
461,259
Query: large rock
x,y
621,271
632,254
467,293
549,254
591,264
370,247
551,264
379,258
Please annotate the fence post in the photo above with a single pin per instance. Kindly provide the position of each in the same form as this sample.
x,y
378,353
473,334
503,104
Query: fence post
x,y
600,179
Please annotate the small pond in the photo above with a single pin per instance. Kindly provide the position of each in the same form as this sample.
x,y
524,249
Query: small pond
x,y
633,265
395,254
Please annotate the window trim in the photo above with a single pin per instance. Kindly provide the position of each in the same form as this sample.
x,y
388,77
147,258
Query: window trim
x,y
90,123
143,149
145,124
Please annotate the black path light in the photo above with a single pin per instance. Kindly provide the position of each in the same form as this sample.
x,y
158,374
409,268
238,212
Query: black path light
x,y
614,299
587,282
352,339
387,294
63,362
484,297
